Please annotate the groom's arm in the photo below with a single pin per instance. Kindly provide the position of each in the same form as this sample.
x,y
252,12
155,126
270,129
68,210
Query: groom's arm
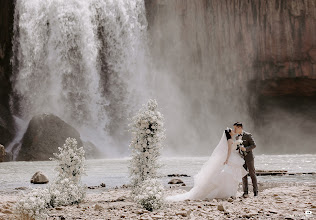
x,y
252,143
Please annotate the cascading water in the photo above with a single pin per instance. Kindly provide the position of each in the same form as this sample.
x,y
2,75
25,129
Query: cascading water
x,y
79,60
93,62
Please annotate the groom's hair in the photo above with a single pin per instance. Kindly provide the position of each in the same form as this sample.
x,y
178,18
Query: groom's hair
x,y
238,124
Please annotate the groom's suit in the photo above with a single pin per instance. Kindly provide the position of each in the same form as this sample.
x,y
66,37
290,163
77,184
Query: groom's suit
x,y
249,144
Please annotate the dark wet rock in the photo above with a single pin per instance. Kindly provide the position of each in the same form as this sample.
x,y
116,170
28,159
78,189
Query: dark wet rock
x,y
2,153
220,208
45,133
175,181
21,188
178,175
39,178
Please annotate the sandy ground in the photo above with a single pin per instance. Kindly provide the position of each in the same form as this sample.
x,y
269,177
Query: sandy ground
x,y
281,202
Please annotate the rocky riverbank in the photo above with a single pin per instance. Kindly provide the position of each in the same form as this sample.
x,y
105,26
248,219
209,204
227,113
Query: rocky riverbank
x,y
281,202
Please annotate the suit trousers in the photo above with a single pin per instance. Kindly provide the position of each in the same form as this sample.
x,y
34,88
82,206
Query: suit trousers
x,y
250,166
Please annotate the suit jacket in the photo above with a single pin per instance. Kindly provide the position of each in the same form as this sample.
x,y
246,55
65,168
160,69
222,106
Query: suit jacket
x,y
249,143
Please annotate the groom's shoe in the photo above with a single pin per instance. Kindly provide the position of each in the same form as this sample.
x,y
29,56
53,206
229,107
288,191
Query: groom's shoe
x,y
245,195
255,193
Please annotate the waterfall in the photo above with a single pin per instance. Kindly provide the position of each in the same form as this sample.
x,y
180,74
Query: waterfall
x,y
80,60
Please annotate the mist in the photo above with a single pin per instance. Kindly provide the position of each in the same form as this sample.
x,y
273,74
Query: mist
x,y
95,63
198,81
209,58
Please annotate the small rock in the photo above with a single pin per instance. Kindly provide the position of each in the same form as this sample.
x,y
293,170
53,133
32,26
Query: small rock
x,y
273,211
39,178
157,216
178,175
146,217
125,186
59,208
139,212
175,181
230,200
249,215
21,188
98,207
119,199
183,214
7,211
220,208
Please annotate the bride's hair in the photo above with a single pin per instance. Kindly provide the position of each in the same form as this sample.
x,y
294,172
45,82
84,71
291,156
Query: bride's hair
x,y
227,132
238,124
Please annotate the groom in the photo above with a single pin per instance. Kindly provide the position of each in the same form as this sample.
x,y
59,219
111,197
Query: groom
x,y
248,145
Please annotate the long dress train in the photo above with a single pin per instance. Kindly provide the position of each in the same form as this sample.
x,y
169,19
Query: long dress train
x,y
216,180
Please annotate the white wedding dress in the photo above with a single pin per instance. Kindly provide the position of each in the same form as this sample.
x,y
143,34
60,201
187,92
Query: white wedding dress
x,y
216,180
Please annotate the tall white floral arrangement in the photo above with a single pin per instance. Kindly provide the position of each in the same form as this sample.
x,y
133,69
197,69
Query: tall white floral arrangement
x,y
67,188
148,134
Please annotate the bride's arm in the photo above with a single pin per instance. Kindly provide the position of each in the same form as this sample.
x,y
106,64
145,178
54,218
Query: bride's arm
x,y
230,143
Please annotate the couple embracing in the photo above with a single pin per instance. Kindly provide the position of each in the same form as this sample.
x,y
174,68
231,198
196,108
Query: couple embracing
x,y
219,177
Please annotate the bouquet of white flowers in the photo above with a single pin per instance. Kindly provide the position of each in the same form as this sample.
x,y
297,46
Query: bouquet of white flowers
x,y
147,136
238,144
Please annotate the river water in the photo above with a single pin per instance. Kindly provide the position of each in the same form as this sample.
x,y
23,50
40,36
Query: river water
x,y
114,172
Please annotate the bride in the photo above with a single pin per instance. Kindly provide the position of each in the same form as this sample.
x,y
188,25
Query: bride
x,y
219,177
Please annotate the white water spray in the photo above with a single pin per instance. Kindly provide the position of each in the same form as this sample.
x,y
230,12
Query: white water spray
x,y
79,60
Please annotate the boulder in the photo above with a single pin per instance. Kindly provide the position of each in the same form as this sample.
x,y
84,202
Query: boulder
x,y
2,153
220,207
45,133
39,178
175,181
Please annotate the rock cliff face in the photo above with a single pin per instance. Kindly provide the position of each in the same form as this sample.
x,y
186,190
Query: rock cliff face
x,y
265,48
254,39
6,29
